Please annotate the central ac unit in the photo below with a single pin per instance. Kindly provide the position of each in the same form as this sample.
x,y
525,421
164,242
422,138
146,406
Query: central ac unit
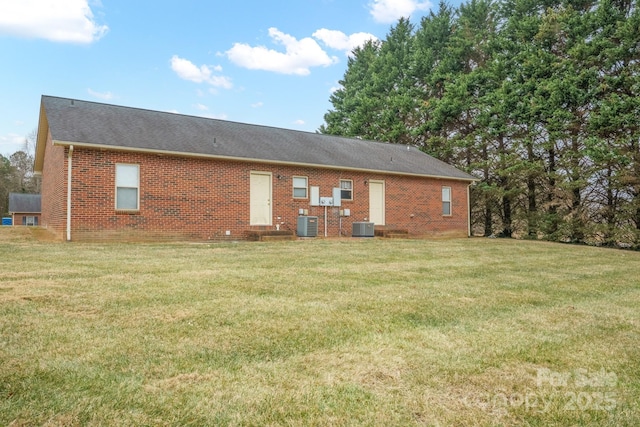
x,y
307,226
363,229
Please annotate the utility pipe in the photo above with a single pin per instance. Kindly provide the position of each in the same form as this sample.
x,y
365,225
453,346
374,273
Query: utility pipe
x,y
325,221
469,211
69,165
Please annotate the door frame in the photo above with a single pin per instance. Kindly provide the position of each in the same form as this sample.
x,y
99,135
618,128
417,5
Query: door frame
x,y
269,197
383,196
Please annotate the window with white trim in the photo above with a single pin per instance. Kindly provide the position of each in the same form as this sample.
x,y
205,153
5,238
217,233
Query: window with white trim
x,y
346,189
300,187
127,187
29,220
446,201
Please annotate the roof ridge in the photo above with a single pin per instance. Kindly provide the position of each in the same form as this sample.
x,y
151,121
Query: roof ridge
x,y
149,110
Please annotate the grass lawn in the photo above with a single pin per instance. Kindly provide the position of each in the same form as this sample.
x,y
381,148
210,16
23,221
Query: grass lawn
x,y
318,332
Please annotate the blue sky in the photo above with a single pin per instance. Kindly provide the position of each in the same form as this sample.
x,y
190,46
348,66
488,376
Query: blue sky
x,y
272,63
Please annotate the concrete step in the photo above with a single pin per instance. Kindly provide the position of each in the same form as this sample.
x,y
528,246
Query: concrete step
x,y
392,233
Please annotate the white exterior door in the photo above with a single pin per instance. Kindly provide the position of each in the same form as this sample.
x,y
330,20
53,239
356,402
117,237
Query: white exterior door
x,y
376,202
260,198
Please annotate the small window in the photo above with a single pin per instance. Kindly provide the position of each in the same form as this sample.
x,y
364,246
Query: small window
x,y
446,200
346,189
300,187
29,220
127,186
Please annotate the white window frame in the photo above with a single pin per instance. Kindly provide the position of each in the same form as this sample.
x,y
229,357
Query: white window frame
x,y
127,185
349,189
297,187
446,201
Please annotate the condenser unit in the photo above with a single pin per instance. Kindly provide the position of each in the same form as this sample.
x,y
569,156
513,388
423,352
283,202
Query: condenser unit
x,y
307,226
363,229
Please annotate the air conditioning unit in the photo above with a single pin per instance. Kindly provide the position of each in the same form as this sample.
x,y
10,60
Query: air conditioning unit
x,y
363,229
307,226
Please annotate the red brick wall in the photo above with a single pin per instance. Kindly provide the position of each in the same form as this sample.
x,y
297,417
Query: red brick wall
x,y
201,199
54,188
18,218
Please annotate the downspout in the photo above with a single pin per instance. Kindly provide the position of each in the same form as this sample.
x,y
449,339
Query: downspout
x,y
469,210
69,166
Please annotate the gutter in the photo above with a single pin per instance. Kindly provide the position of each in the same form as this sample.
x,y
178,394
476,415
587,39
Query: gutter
x,y
69,167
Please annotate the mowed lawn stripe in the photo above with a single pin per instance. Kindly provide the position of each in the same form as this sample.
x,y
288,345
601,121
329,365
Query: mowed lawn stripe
x,y
318,332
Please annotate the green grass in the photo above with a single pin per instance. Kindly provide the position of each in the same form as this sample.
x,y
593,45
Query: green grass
x,y
318,332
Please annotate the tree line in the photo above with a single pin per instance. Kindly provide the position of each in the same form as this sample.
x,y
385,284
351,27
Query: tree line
x,y
16,173
539,99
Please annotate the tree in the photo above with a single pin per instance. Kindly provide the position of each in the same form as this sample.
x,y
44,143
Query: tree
x,y
613,126
22,165
538,98
6,184
16,173
355,103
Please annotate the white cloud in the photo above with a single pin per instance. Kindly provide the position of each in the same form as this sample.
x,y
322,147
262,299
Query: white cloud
x,y
218,116
101,95
11,143
187,70
299,122
335,88
69,21
202,107
257,104
298,58
389,11
338,40
220,81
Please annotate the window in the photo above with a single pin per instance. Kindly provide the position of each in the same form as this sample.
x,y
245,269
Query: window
x,y
127,184
446,200
29,220
300,187
346,189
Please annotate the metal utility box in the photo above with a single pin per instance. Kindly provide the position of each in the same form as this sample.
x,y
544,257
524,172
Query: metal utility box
x,y
307,226
326,201
363,229
314,195
336,196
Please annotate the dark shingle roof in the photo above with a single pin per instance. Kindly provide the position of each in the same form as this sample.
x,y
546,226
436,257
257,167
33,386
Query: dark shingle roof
x,y
116,127
24,203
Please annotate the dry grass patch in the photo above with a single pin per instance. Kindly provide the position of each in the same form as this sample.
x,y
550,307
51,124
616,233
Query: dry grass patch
x,y
318,332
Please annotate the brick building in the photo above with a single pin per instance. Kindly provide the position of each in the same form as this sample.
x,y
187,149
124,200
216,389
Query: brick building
x,y
24,208
120,173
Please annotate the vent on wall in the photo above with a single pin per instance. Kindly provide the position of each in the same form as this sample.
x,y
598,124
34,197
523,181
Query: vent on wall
x,y
307,226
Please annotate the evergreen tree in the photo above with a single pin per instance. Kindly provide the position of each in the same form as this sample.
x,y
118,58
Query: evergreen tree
x,y
538,98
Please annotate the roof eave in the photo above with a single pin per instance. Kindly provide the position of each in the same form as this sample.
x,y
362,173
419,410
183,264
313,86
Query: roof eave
x,y
248,159
41,141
